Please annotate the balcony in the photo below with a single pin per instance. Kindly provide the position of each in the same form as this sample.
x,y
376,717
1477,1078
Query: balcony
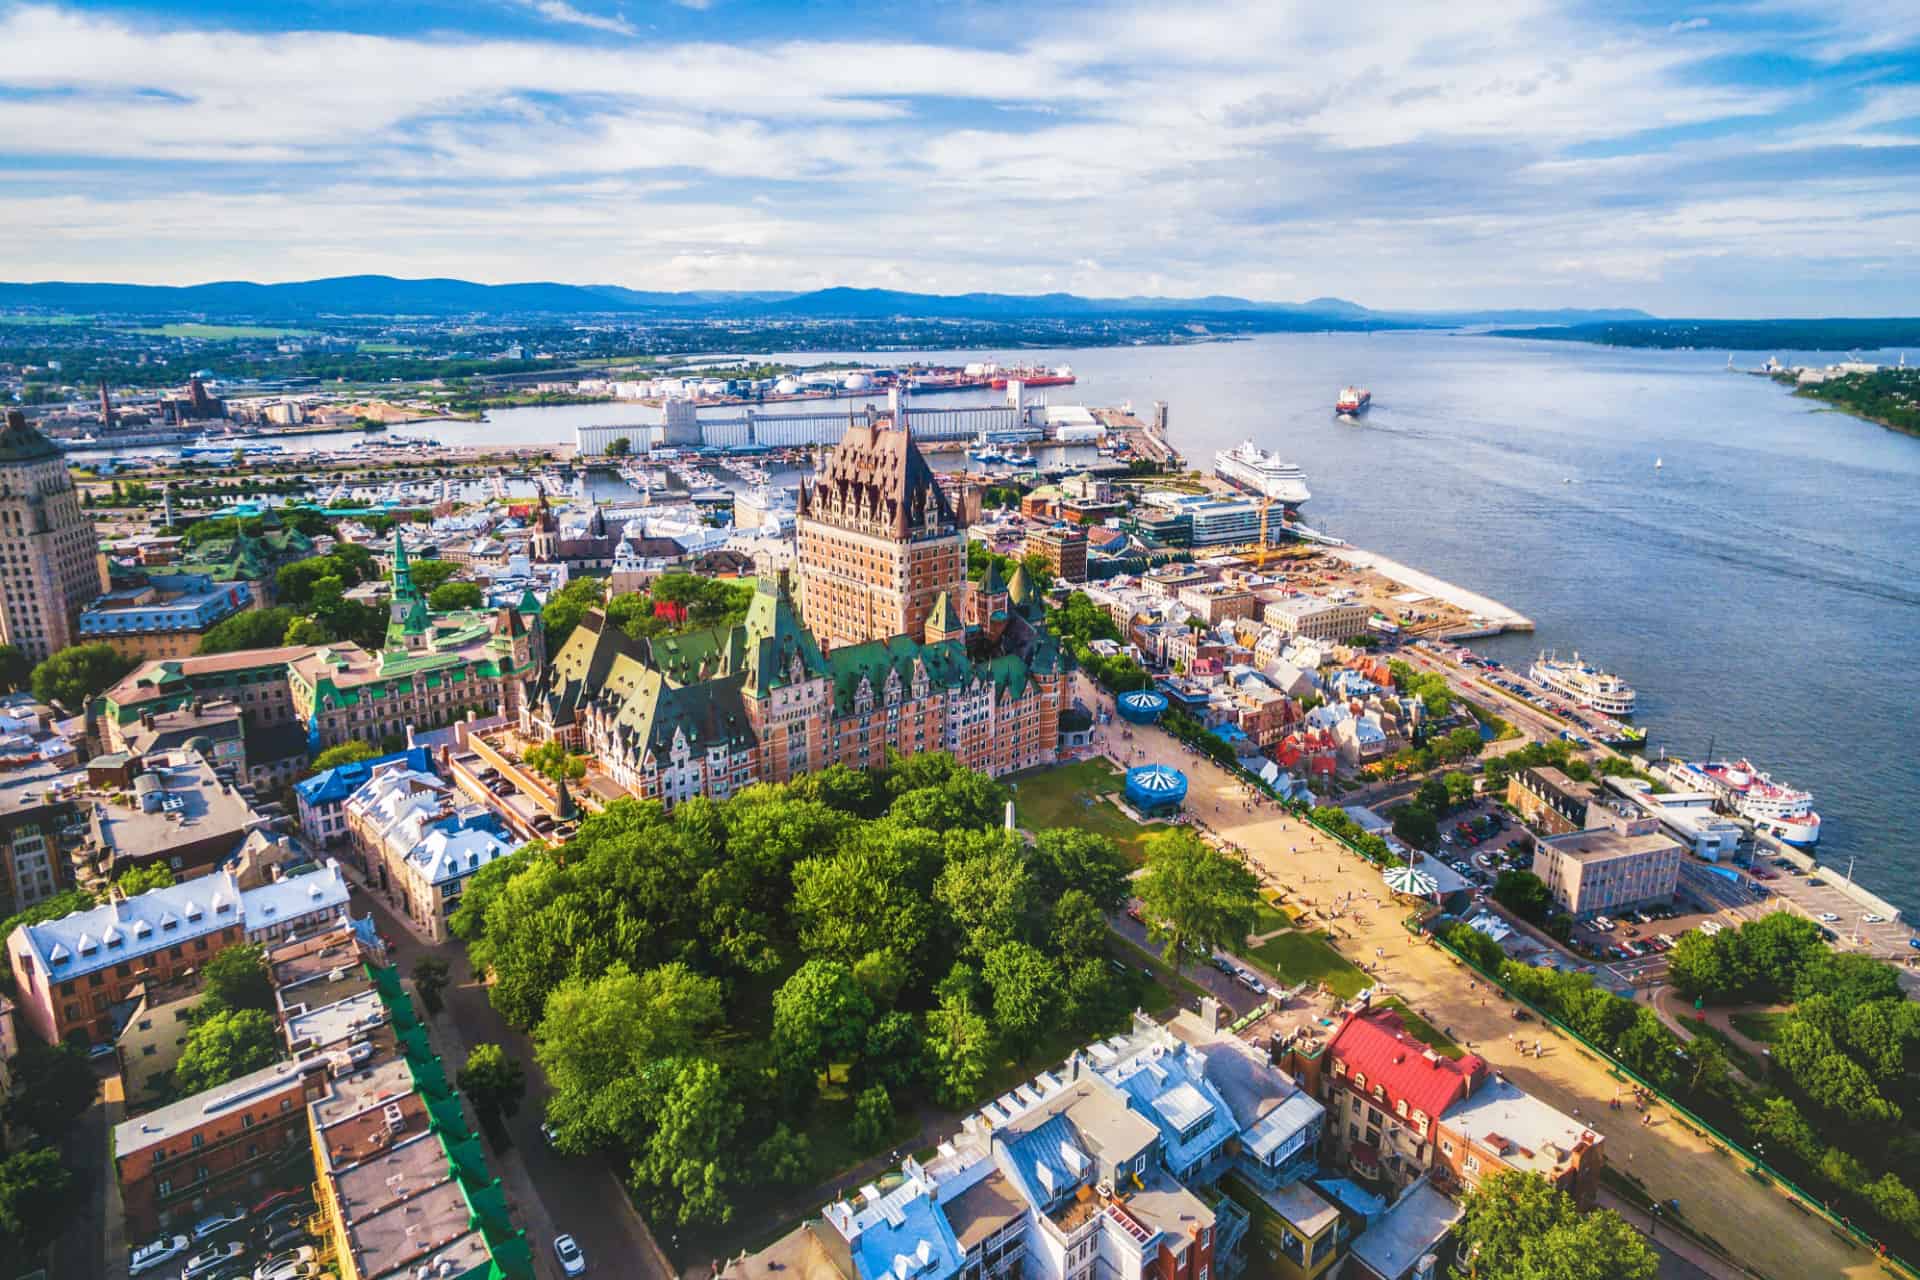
x,y
1229,1227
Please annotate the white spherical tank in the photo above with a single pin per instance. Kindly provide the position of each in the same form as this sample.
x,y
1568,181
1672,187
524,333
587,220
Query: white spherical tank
x,y
857,382
786,386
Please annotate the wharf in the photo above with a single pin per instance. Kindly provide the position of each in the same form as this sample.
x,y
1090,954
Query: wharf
x,y
1495,616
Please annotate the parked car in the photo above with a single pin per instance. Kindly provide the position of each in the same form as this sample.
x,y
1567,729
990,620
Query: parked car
x,y
224,1219
221,1256
297,1195
269,1225
286,1238
1871,919
1828,917
155,1253
286,1269
572,1260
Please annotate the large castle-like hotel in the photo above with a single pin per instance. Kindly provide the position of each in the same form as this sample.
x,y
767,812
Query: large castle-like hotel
x,y
886,646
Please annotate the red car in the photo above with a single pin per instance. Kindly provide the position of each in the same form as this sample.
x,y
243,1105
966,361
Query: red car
x,y
298,1195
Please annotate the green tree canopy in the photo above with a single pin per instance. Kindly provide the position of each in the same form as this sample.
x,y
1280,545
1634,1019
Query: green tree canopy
x,y
820,1016
16,669
253,629
237,978
455,595
52,1086
75,676
430,575
346,753
1517,1226
37,1203
1523,893
552,759
1194,897
494,1082
225,1045
135,881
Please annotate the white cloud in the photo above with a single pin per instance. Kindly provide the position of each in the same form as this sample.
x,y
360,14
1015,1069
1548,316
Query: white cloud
x,y
1270,148
1689,24
561,11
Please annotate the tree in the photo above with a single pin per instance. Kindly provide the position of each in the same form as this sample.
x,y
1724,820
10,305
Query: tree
x,y
308,631
253,629
346,753
1523,893
872,1117
37,1201
52,1087
1063,858
237,978
1778,1123
784,1157
688,1161
598,1036
565,607
984,888
1518,1226
1416,825
820,1017
493,1082
1895,1201
16,669
960,1044
619,447
895,1052
1432,796
1194,897
225,1045
1026,987
76,676
430,979
455,595
552,759
430,575
135,881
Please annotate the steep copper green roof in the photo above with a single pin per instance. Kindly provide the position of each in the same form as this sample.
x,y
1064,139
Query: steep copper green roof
x,y
1020,589
944,620
21,441
773,636
991,583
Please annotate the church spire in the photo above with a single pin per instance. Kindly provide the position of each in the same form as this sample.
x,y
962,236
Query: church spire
x,y
403,588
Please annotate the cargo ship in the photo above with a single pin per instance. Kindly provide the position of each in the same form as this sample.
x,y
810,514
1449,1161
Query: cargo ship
x,y
1353,400
1034,376
1585,684
1781,811
1248,466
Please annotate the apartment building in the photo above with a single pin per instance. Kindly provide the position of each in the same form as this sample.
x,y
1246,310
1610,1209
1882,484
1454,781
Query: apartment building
x,y
420,842
1317,618
148,622
1064,548
321,800
1607,870
1106,1168
1548,800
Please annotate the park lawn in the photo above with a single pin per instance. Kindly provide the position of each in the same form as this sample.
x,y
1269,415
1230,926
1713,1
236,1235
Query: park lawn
x,y
1761,1027
1422,1030
1064,796
1298,956
1268,918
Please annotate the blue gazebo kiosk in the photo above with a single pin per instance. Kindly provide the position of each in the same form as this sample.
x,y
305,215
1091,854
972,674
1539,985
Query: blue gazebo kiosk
x,y
1142,706
1156,789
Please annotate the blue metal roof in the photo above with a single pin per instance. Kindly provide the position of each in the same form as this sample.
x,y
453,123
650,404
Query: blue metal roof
x,y
335,785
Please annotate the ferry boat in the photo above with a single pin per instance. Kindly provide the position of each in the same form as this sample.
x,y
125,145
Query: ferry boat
x,y
1784,812
1254,468
1353,400
1584,683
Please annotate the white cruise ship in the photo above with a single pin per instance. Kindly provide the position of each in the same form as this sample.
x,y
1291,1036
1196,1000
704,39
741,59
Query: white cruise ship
x,y
1252,467
1585,684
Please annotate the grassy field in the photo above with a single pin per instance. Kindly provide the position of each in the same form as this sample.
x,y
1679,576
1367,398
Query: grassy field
x,y
1064,797
1268,918
219,332
24,320
1423,1031
1298,956
1761,1027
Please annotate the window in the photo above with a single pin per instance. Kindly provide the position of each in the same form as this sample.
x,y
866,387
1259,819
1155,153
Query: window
x,y
199,1141
165,1187
1471,1164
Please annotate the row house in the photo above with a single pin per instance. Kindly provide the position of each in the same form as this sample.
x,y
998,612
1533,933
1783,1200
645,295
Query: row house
x,y
420,842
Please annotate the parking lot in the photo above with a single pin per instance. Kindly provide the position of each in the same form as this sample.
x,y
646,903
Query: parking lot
x,y
265,1240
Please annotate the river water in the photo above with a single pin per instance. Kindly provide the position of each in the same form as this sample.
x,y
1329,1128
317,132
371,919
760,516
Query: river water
x,y
1761,589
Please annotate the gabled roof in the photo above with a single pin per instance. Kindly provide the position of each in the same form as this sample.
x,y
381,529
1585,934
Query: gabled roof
x,y
21,441
877,476
1374,1043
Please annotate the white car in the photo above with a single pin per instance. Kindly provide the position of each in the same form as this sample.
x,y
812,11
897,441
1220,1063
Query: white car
x,y
1827,917
155,1253
1873,919
572,1261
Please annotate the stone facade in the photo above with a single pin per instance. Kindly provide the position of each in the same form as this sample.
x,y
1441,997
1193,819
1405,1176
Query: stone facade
x,y
49,569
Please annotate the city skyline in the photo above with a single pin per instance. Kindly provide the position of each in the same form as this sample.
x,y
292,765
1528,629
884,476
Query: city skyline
x,y
1692,160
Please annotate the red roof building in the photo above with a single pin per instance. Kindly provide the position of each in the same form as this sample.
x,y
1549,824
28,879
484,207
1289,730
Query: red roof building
x,y
1385,1091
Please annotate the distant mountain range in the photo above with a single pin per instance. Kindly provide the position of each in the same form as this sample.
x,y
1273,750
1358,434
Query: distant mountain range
x,y
367,296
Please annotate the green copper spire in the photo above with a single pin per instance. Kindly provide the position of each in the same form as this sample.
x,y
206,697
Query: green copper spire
x,y
417,618
402,575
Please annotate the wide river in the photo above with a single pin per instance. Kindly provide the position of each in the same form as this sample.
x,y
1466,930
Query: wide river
x,y
1761,589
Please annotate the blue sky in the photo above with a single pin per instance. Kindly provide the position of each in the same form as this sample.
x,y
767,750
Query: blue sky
x,y
1706,159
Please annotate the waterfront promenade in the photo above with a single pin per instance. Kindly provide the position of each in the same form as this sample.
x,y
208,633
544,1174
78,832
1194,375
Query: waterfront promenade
x,y
1760,1227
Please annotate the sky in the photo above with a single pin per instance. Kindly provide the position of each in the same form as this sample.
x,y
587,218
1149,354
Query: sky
x,y
1713,159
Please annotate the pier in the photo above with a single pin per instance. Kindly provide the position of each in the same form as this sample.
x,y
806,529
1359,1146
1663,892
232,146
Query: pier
x,y
1497,617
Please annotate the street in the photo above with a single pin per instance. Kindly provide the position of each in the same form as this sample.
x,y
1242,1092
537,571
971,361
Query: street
x,y
551,1193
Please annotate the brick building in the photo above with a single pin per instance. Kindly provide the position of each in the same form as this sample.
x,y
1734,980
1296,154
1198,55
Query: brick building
x,y
878,540
1064,547
1548,800
49,569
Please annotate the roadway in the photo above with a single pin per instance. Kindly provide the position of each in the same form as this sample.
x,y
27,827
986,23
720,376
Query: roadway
x,y
550,1193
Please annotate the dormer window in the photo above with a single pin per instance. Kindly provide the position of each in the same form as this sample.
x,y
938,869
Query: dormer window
x,y
1360,1080
1400,1108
